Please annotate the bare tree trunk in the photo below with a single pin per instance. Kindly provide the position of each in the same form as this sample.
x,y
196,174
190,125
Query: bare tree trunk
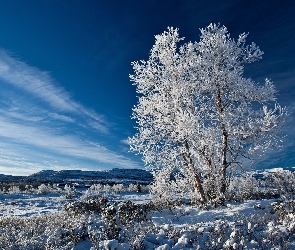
x,y
199,188
223,161
224,136
197,181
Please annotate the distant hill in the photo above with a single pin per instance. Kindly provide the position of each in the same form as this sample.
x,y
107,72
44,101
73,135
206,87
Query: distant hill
x,y
115,175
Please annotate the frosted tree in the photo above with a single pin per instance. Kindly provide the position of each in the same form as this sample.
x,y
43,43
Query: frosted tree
x,y
197,115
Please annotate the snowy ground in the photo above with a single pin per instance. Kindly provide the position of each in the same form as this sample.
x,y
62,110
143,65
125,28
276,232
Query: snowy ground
x,y
183,216
29,204
36,204
234,226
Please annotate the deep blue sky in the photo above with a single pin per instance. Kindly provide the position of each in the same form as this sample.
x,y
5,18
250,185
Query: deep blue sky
x,y
66,98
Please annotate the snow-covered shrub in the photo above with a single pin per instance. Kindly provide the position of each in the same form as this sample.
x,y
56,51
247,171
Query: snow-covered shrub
x,y
173,188
88,205
281,181
118,188
14,190
69,192
57,231
98,190
99,222
285,211
161,188
170,188
107,189
125,211
139,188
131,188
120,217
29,188
95,190
46,189
244,187
138,232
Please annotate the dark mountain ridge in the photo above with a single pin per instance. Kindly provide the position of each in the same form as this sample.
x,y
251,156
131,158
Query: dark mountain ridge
x,y
115,175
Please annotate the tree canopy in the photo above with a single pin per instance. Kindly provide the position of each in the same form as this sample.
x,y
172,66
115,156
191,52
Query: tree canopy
x,y
197,116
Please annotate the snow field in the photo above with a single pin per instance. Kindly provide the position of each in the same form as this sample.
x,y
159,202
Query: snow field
x,y
96,219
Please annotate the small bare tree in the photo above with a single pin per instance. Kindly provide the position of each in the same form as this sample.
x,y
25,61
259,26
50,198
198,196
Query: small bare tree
x,y
196,114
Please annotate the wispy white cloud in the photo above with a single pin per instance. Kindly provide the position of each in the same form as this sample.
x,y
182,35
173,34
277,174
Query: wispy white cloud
x,y
21,115
40,122
40,85
34,82
73,146
61,117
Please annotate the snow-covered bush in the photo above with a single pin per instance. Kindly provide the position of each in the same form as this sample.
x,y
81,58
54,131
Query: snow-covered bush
x,y
285,211
244,187
243,232
118,188
47,189
281,181
14,190
172,189
138,188
98,190
57,231
142,188
119,217
101,222
44,189
162,189
125,211
95,190
132,188
69,192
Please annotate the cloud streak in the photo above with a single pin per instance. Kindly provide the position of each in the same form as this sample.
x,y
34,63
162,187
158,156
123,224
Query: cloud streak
x,y
34,82
39,85
61,144
43,127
